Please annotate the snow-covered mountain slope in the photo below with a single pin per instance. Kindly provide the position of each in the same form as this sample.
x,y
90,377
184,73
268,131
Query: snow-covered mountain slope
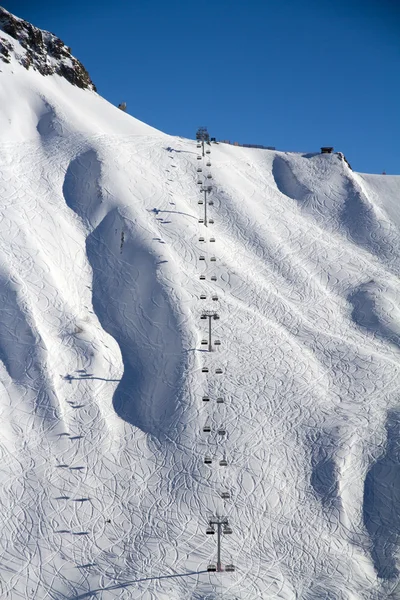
x,y
104,490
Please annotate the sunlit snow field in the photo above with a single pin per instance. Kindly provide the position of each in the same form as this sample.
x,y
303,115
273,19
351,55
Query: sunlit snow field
x,y
103,483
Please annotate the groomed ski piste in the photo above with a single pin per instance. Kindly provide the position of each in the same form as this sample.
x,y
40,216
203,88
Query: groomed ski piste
x,y
104,489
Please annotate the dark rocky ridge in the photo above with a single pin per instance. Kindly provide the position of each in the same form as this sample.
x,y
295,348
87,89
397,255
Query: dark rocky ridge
x,y
43,51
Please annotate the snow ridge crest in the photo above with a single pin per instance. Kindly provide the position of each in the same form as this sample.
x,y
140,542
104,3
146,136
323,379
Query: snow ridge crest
x,y
42,51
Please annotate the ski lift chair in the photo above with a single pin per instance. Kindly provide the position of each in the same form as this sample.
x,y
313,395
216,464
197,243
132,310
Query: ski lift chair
x,y
227,529
229,568
211,568
207,461
223,463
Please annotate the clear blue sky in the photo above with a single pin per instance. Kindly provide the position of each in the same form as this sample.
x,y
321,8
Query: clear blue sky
x,y
295,74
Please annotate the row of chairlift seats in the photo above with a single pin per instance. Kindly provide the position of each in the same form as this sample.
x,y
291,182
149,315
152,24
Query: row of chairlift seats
x,y
223,462
213,277
208,151
204,297
218,371
220,430
228,568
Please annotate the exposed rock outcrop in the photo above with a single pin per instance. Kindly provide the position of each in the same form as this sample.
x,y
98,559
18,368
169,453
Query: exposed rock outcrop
x,y
42,51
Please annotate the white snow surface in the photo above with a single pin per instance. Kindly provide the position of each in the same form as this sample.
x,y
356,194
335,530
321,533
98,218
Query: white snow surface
x,y
104,490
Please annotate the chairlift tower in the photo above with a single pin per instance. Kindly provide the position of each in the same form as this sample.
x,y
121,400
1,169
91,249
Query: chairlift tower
x,y
202,136
211,316
222,525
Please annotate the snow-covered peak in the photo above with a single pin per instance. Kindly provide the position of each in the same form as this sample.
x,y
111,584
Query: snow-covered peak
x,y
40,50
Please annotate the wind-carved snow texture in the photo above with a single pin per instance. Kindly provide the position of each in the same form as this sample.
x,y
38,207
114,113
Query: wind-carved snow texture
x,y
381,507
104,491
133,309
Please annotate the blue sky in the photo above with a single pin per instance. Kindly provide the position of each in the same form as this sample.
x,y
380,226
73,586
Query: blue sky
x,y
295,74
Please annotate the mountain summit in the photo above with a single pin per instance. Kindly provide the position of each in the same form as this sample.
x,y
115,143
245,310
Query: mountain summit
x,y
39,50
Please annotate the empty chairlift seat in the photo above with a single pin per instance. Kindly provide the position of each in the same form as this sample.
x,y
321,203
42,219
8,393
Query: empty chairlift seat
x,y
210,530
202,277
209,176
225,495
229,568
211,568
207,460
221,431
201,239
213,259
204,342
202,257
211,221
212,239
199,158
208,151
199,169
203,297
206,398
220,400
208,163
200,202
227,529
217,342
207,428
213,278
218,371
204,370
215,297
223,463
211,202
